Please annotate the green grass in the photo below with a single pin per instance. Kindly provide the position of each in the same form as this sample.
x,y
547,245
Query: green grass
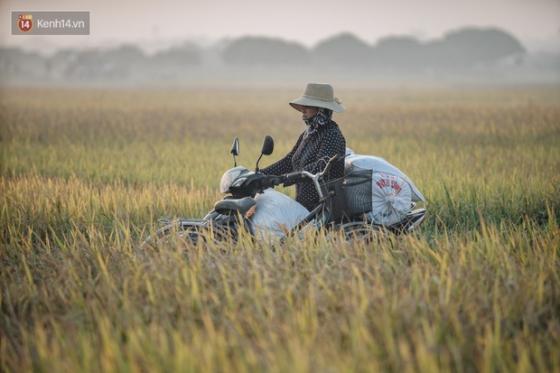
x,y
85,174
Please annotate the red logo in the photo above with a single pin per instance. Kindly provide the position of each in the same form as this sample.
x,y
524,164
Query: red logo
x,y
389,182
25,22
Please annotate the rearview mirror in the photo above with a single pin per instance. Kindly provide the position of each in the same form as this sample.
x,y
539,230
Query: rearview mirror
x,y
268,145
235,147
267,148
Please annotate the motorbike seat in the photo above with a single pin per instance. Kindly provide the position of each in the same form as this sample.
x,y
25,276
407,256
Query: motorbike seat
x,y
242,205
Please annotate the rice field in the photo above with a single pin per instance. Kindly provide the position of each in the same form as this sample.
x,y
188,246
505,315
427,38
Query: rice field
x,y
85,174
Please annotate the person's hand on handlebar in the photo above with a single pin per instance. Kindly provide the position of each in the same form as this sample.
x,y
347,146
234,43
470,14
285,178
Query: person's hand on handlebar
x,y
270,181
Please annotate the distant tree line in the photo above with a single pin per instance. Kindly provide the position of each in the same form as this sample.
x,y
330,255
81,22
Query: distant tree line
x,y
461,48
458,49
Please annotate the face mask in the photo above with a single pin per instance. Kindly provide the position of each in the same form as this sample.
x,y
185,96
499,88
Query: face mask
x,y
322,117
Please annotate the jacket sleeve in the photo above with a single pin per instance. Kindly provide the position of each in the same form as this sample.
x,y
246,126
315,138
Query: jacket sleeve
x,y
333,143
284,165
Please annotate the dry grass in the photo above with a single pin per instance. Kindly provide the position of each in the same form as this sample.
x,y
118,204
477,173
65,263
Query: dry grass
x,y
84,176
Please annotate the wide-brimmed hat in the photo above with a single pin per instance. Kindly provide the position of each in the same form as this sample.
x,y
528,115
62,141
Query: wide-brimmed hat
x,y
318,95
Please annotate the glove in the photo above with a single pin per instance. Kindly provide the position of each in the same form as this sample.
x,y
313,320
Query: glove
x,y
274,180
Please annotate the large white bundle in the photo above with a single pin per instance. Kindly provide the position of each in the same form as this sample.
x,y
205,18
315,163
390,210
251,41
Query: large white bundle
x,y
359,162
276,212
391,198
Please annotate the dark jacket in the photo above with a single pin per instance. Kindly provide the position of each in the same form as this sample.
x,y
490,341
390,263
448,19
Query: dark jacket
x,y
311,153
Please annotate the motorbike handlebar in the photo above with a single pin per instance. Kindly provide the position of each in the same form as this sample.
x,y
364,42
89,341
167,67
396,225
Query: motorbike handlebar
x,y
329,163
298,175
269,181
293,177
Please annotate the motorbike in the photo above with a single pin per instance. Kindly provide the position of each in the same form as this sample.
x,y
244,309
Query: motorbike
x,y
242,189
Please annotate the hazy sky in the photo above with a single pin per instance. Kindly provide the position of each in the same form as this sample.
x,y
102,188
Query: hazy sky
x,y
535,22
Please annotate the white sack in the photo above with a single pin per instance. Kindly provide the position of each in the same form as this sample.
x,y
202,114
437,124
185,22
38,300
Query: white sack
x,y
376,164
276,212
391,198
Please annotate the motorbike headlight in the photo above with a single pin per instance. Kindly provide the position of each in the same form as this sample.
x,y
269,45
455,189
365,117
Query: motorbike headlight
x,y
231,176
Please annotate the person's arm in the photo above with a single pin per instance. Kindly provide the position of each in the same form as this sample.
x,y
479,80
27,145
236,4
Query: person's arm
x,y
332,144
284,165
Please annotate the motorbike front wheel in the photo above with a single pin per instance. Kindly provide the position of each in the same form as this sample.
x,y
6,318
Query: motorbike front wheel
x,y
179,230
191,232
